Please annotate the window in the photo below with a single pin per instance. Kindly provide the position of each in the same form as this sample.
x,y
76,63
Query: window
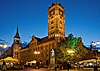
x,y
41,48
60,17
29,50
60,12
60,22
57,23
60,27
51,17
52,27
52,12
52,22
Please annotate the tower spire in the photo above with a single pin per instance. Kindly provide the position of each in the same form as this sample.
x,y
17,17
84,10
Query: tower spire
x,y
17,34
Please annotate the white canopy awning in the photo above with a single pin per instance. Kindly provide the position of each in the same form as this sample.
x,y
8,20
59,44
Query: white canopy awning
x,y
34,61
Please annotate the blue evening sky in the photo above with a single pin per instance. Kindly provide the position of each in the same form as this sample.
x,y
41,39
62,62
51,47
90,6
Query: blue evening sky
x,y
82,19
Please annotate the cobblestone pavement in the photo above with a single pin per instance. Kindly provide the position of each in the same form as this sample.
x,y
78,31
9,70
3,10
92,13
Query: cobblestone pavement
x,y
45,69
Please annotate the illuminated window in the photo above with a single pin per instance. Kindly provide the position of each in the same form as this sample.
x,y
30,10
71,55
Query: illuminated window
x,y
53,35
52,12
56,35
60,12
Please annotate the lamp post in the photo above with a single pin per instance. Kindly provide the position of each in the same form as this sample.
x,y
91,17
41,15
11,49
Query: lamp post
x,y
4,46
37,63
36,52
71,52
95,53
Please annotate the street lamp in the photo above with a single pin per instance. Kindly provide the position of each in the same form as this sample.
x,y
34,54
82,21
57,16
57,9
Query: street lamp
x,y
95,50
95,53
70,52
37,63
36,52
4,46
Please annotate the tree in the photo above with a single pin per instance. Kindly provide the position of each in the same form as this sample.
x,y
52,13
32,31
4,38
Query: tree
x,y
71,50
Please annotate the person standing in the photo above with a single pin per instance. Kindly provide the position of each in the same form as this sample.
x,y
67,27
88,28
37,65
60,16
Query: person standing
x,y
68,66
4,66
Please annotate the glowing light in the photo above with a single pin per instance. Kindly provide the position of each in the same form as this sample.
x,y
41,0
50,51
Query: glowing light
x,y
1,45
34,61
36,52
94,43
90,64
70,51
98,42
5,46
56,35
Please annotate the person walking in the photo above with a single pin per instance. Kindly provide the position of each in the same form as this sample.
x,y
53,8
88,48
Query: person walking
x,y
4,66
68,66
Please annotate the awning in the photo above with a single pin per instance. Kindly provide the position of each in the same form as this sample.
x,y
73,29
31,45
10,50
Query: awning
x,y
34,61
7,59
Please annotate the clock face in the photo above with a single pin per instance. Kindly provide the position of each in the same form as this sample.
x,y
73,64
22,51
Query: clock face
x,y
60,12
52,12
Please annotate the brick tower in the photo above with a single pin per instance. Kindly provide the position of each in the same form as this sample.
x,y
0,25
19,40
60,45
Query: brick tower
x,y
56,21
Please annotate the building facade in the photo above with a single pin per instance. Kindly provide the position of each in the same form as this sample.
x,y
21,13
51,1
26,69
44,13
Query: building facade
x,y
39,49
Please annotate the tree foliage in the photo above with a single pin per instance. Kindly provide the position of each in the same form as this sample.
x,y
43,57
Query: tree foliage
x,y
76,48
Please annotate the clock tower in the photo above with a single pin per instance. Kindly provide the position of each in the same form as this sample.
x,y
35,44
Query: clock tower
x,y
56,21
16,46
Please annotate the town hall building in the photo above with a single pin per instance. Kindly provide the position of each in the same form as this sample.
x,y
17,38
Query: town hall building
x,y
39,49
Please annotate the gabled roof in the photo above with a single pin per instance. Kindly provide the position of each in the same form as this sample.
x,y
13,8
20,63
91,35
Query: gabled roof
x,y
41,41
45,39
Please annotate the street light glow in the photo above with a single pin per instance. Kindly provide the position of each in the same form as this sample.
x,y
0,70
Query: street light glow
x,y
70,51
5,46
1,45
36,52
96,43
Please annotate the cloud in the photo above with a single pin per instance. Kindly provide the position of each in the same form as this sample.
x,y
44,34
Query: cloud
x,y
3,41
